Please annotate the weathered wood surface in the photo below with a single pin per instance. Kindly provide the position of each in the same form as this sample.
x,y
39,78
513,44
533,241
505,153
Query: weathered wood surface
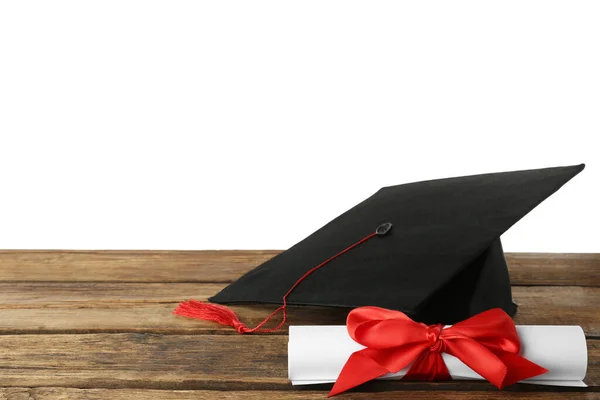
x,y
98,324
52,393
228,265
216,362
75,307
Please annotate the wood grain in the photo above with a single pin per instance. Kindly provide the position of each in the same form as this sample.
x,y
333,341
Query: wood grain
x,y
98,324
228,265
50,393
207,362
94,294
137,307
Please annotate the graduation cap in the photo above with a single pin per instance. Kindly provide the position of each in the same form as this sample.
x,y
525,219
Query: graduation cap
x,y
430,249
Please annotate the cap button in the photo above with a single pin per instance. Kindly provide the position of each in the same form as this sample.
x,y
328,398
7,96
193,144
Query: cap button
x,y
383,229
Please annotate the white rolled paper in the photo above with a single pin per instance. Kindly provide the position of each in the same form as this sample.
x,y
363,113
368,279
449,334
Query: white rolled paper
x,y
316,354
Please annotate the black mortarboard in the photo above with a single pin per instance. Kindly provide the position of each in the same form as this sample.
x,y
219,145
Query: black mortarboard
x,y
441,262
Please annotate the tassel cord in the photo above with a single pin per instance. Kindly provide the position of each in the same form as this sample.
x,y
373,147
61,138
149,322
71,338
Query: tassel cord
x,y
225,316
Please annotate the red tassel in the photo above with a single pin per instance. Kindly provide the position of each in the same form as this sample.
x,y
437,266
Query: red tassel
x,y
210,312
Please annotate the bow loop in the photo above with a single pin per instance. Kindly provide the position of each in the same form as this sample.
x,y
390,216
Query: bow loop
x,y
488,343
378,328
492,328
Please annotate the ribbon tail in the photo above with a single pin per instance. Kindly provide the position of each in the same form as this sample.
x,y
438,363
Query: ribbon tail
x,y
359,369
500,368
518,369
480,359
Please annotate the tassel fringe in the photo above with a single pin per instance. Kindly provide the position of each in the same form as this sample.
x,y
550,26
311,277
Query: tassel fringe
x,y
210,312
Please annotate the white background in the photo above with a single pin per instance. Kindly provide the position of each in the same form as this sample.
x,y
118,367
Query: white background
x,y
250,124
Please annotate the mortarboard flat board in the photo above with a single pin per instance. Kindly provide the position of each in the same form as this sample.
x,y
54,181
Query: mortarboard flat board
x,y
442,261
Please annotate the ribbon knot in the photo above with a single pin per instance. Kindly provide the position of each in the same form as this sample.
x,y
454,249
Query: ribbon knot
x,y
487,343
433,334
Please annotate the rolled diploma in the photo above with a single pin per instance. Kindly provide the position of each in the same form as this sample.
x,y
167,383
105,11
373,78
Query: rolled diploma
x,y
316,354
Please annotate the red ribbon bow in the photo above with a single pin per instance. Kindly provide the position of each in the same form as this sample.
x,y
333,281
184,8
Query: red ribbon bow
x,y
487,343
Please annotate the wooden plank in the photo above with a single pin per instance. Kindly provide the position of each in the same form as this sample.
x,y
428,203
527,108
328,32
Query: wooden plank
x,y
569,305
209,362
146,307
97,294
129,266
575,269
51,393
228,265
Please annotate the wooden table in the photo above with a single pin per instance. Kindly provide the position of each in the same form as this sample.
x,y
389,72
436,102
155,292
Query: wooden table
x,y
98,325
